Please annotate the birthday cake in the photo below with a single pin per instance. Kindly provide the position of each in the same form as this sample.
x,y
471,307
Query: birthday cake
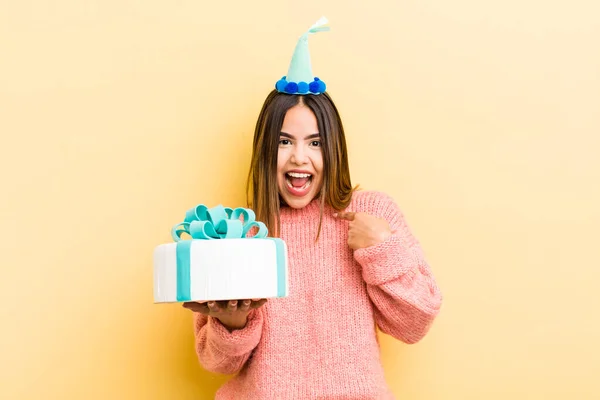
x,y
228,256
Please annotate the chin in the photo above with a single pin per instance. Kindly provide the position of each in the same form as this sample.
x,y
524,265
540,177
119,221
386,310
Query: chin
x,y
296,202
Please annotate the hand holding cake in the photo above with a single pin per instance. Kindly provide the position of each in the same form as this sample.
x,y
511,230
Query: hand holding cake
x,y
233,314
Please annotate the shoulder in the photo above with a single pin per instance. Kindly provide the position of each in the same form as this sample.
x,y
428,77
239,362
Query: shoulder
x,y
375,203
380,205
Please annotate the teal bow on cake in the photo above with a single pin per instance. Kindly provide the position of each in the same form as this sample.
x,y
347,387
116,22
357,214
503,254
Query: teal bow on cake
x,y
218,222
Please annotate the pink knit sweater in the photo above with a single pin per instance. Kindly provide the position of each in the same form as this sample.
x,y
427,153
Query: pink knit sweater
x,y
320,342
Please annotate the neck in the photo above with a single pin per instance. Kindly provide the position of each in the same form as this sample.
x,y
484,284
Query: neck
x,y
311,210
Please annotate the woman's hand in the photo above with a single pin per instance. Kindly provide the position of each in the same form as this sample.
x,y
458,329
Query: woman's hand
x,y
233,314
365,230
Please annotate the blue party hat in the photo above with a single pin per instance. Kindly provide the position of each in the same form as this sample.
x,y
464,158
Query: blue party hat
x,y
300,78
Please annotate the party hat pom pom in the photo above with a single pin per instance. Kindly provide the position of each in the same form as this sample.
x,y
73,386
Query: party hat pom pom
x,y
302,87
322,86
280,85
314,87
291,87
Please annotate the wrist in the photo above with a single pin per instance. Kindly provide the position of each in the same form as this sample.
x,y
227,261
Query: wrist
x,y
232,324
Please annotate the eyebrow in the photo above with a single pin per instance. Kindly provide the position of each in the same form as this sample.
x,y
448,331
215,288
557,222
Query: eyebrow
x,y
313,136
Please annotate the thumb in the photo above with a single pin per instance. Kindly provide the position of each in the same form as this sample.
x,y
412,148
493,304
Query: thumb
x,y
348,216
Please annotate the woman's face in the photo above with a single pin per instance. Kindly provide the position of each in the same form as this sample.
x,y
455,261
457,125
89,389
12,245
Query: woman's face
x,y
299,158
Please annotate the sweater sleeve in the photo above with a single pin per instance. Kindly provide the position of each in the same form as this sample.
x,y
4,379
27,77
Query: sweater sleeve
x,y
221,351
399,281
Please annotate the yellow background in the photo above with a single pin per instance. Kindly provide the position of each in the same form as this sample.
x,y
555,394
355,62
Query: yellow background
x,y
482,119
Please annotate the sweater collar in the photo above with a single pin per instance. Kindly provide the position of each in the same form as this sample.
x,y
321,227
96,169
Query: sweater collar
x,y
311,210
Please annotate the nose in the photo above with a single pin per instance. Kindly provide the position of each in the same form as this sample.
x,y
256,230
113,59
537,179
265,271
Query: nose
x,y
299,156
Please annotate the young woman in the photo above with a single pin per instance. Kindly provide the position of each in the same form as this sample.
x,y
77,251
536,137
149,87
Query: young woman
x,y
353,263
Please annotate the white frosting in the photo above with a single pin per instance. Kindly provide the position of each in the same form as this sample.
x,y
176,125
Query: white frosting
x,y
221,269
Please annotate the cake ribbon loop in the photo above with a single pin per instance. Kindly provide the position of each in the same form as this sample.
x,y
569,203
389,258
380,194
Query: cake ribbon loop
x,y
218,222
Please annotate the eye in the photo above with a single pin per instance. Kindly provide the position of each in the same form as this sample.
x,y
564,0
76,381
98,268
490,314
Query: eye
x,y
284,142
316,143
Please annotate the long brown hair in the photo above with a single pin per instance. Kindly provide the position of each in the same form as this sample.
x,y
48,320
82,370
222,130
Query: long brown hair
x,y
262,194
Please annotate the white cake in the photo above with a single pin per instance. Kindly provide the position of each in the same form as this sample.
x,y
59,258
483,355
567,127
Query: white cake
x,y
219,261
224,269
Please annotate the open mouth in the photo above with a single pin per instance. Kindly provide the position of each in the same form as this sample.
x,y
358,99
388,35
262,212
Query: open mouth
x,y
298,181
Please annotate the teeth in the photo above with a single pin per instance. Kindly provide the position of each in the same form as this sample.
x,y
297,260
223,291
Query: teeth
x,y
298,175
